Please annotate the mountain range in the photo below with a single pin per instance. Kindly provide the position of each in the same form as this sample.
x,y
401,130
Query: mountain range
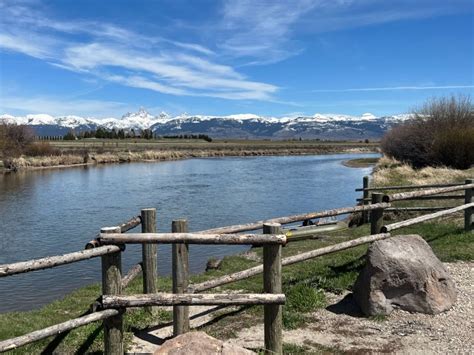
x,y
243,126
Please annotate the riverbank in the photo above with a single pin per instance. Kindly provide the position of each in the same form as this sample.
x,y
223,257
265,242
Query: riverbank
x,y
311,288
73,154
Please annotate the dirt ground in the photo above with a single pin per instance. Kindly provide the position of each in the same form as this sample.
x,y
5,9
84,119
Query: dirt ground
x,y
341,327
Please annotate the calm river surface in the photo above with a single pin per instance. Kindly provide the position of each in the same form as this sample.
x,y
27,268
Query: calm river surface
x,y
52,212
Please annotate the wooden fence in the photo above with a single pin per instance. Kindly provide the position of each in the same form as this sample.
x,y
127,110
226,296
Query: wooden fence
x,y
112,240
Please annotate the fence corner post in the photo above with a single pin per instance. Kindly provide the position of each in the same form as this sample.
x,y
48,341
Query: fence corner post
x,y
365,196
468,211
112,285
149,253
376,216
273,320
180,273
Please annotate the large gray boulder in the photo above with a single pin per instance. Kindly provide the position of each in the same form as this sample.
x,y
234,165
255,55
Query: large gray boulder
x,y
199,343
403,272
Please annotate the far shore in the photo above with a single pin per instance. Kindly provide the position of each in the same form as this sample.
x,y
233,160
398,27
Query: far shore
x,y
77,154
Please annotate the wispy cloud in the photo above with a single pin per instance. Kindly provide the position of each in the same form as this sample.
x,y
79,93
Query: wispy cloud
x,y
398,88
119,55
264,31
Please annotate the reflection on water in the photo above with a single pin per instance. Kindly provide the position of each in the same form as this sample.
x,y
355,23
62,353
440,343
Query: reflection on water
x,y
51,212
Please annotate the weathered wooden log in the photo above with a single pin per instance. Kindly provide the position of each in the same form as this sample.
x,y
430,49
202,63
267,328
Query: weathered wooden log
x,y
14,343
186,299
192,238
365,198
244,274
149,254
429,198
130,224
406,187
112,285
405,195
416,209
426,217
468,198
53,261
376,216
306,233
180,275
134,271
124,227
273,319
296,218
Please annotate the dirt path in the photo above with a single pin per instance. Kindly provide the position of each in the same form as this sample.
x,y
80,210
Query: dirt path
x,y
341,327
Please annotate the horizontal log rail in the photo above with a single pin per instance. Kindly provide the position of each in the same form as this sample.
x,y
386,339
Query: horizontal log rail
x,y
14,343
186,299
244,274
192,238
414,209
406,195
427,217
422,198
53,261
406,187
237,228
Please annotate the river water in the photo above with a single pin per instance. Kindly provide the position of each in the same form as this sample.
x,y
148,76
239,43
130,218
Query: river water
x,y
52,212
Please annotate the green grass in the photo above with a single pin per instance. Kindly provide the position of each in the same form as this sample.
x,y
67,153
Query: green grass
x,y
303,284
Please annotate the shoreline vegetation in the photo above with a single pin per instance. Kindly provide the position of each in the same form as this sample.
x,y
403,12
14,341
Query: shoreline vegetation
x,y
63,154
309,286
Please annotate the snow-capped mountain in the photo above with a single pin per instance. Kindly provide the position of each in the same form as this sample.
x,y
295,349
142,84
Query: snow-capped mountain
x,y
322,126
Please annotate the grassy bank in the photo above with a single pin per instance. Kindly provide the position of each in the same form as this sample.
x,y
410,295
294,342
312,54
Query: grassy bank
x,y
74,153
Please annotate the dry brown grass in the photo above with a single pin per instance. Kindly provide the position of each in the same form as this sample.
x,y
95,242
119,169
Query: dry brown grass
x,y
392,172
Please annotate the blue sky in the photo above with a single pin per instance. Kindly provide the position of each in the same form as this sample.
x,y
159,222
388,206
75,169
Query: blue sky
x,y
276,58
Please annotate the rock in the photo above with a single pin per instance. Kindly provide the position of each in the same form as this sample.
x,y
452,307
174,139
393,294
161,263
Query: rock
x,y
213,264
403,272
199,343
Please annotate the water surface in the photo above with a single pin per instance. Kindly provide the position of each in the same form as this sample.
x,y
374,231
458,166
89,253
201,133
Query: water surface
x,y
52,212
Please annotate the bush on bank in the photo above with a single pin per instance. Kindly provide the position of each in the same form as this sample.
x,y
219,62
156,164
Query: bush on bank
x,y
441,133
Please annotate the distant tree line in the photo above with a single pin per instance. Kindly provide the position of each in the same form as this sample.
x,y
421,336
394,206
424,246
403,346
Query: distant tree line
x,y
102,133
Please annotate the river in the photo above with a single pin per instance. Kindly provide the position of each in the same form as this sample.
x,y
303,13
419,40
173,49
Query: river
x,y
52,212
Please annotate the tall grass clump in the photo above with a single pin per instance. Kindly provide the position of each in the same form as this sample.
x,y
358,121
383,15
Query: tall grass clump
x,y
441,133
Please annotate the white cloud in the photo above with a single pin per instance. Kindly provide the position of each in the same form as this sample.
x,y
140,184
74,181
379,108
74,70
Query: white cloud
x,y
122,56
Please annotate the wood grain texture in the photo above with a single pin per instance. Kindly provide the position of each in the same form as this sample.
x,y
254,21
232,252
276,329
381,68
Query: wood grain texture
x,y
376,216
205,299
273,313
14,343
53,261
192,238
112,285
180,275
426,217
406,195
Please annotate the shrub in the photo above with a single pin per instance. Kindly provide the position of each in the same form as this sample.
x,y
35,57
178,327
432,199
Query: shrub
x,y
41,149
15,139
441,133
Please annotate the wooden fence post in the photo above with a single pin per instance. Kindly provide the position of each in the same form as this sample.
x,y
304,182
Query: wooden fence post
x,y
468,211
365,196
376,216
149,253
112,285
180,271
273,320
